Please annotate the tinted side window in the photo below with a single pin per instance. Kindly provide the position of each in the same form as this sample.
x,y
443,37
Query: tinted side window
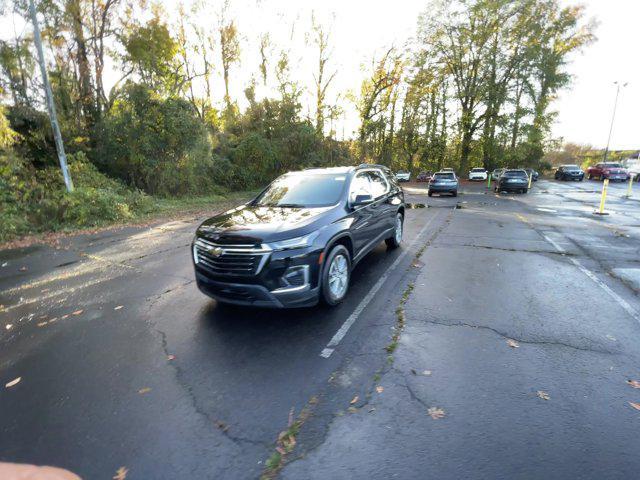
x,y
379,185
359,186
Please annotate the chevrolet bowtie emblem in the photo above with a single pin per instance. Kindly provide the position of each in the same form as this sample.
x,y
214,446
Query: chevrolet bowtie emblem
x,y
215,251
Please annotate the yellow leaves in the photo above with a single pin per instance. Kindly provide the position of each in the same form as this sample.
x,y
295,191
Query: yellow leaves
x,y
77,312
436,413
543,395
379,389
354,400
171,357
635,405
13,382
634,383
144,390
121,473
512,343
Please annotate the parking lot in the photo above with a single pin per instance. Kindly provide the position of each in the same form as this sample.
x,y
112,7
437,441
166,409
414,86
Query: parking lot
x,y
516,315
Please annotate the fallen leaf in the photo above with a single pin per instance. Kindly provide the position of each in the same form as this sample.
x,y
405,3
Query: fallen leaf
x,y
23,269
171,357
435,413
45,290
121,473
5,264
379,389
42,324
635,405
281,450
118,307
13,382
222,426
354,400
414,371
144,390
77,312
64,316
53,319
513,343
634,383
8,326
426,372
543,395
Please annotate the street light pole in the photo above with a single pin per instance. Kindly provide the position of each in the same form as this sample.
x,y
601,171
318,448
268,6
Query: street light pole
x,y
613,117
62,157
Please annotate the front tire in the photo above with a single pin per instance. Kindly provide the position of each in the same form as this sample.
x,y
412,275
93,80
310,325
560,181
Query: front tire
x,y
395,240
336,274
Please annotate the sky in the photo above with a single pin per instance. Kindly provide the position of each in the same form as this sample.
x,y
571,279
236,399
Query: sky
x,y
362,29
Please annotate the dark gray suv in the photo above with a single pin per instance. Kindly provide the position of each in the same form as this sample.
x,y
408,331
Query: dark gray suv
x,y
298,241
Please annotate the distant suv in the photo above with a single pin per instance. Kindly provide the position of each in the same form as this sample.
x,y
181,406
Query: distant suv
x,y
515,180
477,174
298,241
569,172
443,182
403,176
532,173
611,170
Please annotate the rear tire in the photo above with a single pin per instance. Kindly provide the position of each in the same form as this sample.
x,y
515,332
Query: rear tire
x,y
395,240
334,285
430,194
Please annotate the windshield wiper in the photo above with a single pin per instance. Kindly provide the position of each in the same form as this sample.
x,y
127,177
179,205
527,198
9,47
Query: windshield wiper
x,y
289,205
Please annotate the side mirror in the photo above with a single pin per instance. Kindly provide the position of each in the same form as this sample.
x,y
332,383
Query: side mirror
x,y
362,200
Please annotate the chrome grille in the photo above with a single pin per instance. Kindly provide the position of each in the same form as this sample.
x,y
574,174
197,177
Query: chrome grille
x,y
235,260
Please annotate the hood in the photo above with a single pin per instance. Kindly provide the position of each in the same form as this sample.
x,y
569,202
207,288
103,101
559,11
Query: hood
x,y
253,225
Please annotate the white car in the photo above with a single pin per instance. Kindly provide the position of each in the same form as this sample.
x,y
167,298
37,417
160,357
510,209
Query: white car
x,y
478,174
403,176
633,167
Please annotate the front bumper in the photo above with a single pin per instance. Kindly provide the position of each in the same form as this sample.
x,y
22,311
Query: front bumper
x,y
477,177
254,295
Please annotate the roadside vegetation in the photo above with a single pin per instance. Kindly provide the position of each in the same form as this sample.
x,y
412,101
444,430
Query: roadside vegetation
x,y
473,88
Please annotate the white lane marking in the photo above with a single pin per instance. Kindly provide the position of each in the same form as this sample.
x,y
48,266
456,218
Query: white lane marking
x,y
337,338
621,301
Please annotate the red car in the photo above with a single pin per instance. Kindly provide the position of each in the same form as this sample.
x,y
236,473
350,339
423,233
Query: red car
x,y
611,170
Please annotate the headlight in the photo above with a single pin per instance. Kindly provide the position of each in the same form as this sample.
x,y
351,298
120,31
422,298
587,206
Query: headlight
x,y
298,242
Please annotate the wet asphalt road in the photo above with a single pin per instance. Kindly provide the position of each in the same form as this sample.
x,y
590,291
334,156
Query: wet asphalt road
x,y
172,385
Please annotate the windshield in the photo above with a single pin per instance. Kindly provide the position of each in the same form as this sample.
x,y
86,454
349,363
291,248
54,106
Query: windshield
x,y
477,169
444,176
302,190
612,165
571,167
515,174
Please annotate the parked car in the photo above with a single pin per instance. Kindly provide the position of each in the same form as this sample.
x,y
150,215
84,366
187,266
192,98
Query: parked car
x,y
515,180
569,172
477,174
611,170
532,173
298,241
403,176
424,176
496,173
633,167
443,182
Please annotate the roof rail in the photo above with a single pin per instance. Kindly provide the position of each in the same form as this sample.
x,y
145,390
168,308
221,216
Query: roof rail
x,y
372,165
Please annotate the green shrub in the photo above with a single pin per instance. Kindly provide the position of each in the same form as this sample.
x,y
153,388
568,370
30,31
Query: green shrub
x,y
155,144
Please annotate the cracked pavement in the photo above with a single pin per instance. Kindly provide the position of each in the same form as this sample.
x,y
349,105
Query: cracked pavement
x,y
224,380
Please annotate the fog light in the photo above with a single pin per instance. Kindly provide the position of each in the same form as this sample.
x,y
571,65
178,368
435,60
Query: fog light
x,y
294,278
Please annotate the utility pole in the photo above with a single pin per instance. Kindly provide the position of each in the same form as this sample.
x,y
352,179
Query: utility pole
x,y
613,117
62,157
